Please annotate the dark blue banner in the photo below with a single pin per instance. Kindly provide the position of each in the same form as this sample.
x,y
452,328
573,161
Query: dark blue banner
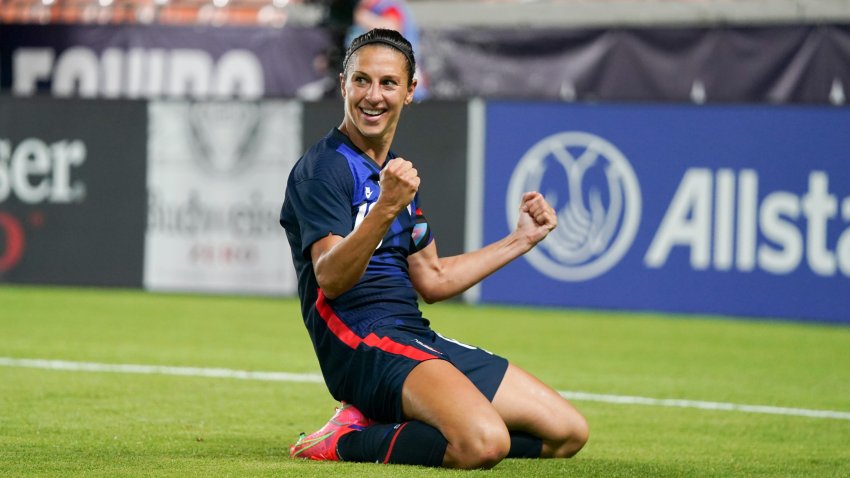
x,y
163,61
734,210
711,64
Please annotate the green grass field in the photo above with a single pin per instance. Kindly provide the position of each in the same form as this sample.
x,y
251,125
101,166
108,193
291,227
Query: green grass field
x,y
99,424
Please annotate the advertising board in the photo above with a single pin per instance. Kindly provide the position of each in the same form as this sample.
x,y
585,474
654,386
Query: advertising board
x,y
734,210
216,178
72,191
162,61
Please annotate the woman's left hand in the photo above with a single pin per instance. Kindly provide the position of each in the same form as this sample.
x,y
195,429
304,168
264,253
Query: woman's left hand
x,y
536,218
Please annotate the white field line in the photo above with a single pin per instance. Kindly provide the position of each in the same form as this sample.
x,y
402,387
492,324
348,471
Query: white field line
x,y
317,378
733,407
161,370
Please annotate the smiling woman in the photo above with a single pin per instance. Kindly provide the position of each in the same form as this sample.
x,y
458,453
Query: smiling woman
x,y
363,252
375,90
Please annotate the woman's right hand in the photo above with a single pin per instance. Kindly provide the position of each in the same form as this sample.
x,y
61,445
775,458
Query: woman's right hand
x,y
399,182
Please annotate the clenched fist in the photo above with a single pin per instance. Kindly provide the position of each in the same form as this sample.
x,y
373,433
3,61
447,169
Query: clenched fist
x,y
536,218
399,182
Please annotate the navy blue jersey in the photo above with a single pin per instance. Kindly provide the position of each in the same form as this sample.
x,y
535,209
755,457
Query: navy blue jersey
x,y
330,190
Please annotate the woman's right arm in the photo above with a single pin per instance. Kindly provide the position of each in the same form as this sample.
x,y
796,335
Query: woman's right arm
x,y
339,262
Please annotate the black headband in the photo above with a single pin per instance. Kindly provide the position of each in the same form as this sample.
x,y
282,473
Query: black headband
x,y
385,42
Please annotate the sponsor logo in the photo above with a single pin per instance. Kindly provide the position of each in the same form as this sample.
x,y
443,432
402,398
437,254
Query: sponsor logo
x,y
718,216
34,172
212,222
214,234
12,242
596,196
225,134
253,218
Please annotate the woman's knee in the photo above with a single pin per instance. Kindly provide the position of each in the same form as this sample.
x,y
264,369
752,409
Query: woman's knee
x,y
482,445
574,435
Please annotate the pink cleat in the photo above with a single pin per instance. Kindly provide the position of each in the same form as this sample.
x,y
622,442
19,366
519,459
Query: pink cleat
x,y
321,445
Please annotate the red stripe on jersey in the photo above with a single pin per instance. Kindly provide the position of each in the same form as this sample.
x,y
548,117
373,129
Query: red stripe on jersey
x,y
336,324
348,337
388,345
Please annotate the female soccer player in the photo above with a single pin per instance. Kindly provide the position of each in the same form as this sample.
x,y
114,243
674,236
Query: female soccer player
x,y
362,251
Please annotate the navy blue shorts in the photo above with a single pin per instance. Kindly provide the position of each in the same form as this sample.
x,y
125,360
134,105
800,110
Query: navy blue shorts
x,y
369,371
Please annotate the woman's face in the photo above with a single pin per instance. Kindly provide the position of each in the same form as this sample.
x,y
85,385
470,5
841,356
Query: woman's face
x,y
374,88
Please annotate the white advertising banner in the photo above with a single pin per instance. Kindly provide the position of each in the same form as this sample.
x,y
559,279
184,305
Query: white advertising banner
x,y
216,177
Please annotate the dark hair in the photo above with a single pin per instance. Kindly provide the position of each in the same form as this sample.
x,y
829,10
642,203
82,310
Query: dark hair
x,y
383,36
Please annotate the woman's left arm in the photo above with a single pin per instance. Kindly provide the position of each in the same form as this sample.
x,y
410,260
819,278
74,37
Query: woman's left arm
x,y
436,278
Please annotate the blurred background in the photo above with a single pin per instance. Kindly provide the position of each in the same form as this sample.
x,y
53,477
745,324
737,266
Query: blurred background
x,y
696,150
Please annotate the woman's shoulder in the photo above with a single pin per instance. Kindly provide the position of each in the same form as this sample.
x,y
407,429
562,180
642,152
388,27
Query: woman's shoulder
x,y
323,161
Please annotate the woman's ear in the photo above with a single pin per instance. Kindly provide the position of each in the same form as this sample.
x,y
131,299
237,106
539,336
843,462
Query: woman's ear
x,y
409,97
342,84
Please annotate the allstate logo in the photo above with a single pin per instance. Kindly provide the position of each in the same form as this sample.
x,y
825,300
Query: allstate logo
x,y
596,195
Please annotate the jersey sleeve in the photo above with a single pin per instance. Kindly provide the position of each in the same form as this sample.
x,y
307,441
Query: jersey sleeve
x,y
420,235
322,205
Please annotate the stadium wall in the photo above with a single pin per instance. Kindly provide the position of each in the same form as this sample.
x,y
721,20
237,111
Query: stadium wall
x,y
183,195
774,63
729,64
735,210
701,204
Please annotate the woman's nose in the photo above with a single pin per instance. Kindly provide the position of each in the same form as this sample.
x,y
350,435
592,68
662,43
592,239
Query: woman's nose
x,y
374,93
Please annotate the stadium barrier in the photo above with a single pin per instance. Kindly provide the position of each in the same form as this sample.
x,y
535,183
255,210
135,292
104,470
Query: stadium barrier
x,y
183,195
795,63
736,210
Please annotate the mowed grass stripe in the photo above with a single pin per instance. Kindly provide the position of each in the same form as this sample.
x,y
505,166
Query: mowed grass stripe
x,y
316,378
